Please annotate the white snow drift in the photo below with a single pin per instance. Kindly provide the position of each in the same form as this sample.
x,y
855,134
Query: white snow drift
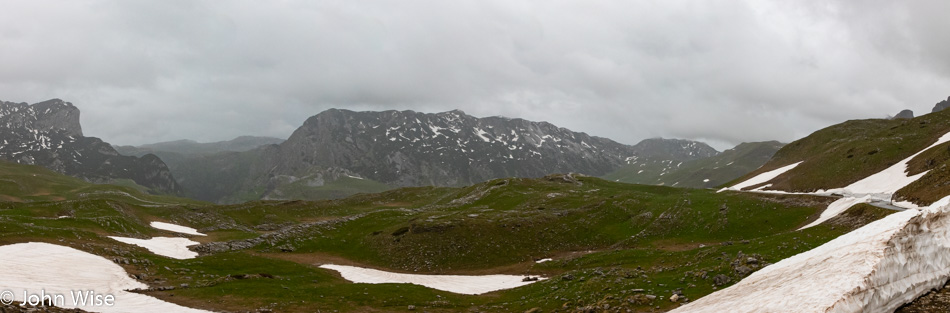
x,y
761,178
176,228
172,247
837,207
892,179
57,270
463,284
876,268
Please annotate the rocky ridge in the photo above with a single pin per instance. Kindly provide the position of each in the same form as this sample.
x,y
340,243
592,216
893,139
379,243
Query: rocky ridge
x,y
407,148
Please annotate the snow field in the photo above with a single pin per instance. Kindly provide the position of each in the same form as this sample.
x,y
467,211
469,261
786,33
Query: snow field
x,y
53,269
176,228
172,247
761,178
462,284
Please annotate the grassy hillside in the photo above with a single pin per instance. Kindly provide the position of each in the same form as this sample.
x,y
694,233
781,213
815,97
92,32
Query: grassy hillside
x,y
28,183
702,173
839,155
612,243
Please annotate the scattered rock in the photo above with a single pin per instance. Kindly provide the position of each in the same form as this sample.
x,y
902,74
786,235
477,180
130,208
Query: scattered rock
x,y
721,279
743,270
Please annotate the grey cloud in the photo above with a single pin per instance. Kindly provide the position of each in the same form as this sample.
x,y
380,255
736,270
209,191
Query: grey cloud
x,y
720,71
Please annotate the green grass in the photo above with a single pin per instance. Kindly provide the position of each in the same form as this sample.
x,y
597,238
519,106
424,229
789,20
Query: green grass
x,y
28,183
339,188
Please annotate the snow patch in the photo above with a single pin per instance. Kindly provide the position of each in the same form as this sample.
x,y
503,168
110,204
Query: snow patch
x,y
462,284
836,208
481,134
56,269
175,228
891,179
761,178
544,260
172,247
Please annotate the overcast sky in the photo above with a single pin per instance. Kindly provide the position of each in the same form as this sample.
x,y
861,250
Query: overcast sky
x,y
719,71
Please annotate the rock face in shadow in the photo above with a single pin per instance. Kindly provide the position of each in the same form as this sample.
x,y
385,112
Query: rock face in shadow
x,y
48,134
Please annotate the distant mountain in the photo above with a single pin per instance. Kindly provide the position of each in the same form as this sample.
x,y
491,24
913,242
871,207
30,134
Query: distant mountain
x,y
340,152
48,134
671,149
406,148
208,171
185,146
698,173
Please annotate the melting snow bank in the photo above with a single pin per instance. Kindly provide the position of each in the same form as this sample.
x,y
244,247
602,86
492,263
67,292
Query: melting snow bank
x,y
176,228
761,178
876,268
57,270
172,247
463,284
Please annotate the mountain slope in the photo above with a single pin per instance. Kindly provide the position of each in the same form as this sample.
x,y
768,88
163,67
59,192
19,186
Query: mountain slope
x,y
698,173
48,134
451,148
842,154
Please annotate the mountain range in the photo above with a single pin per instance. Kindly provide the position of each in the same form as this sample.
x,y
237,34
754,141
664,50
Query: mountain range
x,y
339,152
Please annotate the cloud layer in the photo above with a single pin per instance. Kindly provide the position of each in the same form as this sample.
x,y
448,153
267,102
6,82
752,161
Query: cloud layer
x,y
720,71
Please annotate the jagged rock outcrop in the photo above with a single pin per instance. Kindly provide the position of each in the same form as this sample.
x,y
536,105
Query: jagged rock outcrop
x,y
406,148
49,134
941,105
904,114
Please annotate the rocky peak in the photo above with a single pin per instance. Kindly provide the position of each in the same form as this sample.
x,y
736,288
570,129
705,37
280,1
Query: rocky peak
x,y
50,116
48,134
941,105
904,114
